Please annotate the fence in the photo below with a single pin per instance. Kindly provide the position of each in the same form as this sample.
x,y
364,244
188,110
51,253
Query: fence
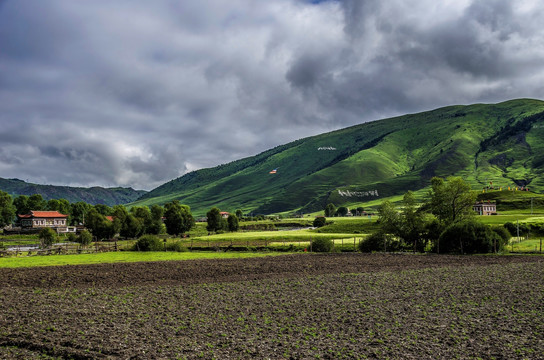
x,y
59,249
189,244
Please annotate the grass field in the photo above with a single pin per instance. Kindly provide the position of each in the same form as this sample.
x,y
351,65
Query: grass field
x,y
121,257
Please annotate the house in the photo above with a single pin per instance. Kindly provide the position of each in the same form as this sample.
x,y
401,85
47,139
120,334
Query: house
x,y
485,208
224,214
41,219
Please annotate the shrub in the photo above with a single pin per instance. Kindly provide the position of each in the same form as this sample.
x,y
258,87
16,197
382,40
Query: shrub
x,y
319,221
148,243
504,235
322,245
85,238
469,237
375,242
512,229
71,237
177,247
232,223
47,236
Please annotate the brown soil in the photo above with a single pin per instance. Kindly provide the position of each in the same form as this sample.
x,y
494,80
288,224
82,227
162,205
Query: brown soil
x,y
287,307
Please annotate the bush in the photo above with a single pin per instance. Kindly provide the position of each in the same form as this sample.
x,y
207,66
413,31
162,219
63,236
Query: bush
x,y
504,235
319,221
177,247
71,237
375,242
47,236
148,243
322,245
469,237
85,238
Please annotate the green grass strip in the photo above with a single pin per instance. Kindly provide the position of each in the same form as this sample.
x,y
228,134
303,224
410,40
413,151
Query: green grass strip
x,y
120,257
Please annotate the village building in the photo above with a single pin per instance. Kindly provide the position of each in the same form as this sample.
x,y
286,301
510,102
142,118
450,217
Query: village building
x,y
42,219
485,208
224,214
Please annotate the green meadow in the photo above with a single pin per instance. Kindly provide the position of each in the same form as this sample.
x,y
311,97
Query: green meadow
x,y
121,257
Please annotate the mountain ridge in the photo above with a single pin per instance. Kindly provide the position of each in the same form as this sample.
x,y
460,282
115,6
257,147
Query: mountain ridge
x,y
388,157
92,195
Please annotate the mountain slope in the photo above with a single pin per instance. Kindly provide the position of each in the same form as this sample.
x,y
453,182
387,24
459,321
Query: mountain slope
x,y
501,142
93,195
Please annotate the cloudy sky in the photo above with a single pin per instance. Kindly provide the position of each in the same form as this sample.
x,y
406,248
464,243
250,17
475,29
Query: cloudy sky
x,y
136,93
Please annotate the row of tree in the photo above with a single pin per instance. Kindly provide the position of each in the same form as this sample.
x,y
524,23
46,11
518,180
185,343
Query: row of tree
x,y
331,210
446,219
105,222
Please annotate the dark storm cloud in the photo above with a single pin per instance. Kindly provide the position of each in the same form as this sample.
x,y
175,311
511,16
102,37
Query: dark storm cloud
x,y
135,94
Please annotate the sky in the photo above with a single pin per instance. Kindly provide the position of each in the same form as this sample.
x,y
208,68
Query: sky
x,y
137,93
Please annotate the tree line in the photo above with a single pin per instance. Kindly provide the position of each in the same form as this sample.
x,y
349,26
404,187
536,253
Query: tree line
x,y
444,222
105,222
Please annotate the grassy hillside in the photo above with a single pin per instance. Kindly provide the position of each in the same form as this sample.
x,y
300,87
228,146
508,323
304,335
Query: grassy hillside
x,y
93,195
501,142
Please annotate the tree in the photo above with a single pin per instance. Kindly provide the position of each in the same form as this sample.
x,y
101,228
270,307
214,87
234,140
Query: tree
x,y
36,202
239,214
7,209
330,210
360,211
407,224
78,211
214,220
21,204
452,200
389,218
342,211
99,225
412,225
232,222
132,228
47,236
60,205
103,209
143,214
178,218
156,226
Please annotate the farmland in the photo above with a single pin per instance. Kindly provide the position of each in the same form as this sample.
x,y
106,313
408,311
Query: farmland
x,y
294,306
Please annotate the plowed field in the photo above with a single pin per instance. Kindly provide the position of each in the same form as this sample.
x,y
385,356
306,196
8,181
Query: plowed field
x,y
288,307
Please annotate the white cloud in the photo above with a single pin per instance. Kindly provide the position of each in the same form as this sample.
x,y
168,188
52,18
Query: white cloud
x,y
137,93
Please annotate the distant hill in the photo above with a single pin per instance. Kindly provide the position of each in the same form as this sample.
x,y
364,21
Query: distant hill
x,y
92,195
500,143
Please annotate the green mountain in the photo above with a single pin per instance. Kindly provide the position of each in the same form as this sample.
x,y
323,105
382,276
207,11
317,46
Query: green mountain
x,y
500,143
93,195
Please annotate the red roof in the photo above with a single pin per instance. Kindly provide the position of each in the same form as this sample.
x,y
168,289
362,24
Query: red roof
x,y
43,214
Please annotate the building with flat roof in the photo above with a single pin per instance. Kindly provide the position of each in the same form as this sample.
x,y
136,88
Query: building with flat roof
x,y
485,208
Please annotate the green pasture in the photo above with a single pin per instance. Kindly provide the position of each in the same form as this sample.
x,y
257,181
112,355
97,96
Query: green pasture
x,y
513,218
271,236
121,257
532,245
